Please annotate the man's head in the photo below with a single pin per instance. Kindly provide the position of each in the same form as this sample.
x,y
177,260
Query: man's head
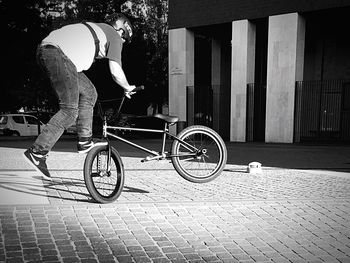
x,y
122,25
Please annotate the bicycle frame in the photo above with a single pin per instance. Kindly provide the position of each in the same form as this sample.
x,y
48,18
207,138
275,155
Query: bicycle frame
x,y
193,151
156,155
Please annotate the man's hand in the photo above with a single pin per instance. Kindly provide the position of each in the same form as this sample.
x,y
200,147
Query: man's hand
x,y
128,94
128,91
132,91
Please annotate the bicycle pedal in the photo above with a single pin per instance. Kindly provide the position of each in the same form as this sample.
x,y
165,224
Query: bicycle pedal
x,y
148,158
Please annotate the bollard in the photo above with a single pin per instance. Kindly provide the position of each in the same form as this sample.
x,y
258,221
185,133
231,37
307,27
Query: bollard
x,y
254,168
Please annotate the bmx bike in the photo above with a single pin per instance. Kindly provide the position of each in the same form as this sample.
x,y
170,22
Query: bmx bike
x,y
198,154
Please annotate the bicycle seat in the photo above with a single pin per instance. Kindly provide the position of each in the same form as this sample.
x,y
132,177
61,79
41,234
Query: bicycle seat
x,y
167,118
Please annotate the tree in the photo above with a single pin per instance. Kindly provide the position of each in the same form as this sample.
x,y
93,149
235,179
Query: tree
x,y
152,31
21,27
27,23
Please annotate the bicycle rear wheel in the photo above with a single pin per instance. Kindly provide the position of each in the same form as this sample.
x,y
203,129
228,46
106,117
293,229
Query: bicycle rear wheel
x,y
103,186
201,154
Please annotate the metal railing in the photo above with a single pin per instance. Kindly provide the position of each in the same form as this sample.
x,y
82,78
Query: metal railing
x,y
322,110
256,112
200,105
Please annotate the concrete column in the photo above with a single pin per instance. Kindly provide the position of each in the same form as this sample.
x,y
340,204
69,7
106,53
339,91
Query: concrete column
x,y
181,71
242,72
285,62
216,82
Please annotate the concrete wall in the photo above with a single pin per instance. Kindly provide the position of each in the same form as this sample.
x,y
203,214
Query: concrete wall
x,y
181,70
326,54
216,82
193,13
285,62
242,72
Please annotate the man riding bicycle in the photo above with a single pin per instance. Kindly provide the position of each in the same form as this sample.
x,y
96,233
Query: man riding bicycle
x,y
63,56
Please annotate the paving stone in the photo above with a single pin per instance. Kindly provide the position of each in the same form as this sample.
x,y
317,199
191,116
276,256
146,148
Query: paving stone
x,y
282,216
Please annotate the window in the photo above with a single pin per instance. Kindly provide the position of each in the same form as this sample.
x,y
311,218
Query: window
x,y
3,119
31,120
18,119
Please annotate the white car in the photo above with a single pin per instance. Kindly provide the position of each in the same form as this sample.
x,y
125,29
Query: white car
x,y
19,125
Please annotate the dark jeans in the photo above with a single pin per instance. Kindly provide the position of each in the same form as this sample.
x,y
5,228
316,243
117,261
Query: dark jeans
x,y
76,96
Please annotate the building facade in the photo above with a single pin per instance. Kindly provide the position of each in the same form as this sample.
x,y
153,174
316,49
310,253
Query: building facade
x,y
258,70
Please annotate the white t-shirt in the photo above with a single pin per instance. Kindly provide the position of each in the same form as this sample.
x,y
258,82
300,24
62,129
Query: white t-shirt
x,y
77,43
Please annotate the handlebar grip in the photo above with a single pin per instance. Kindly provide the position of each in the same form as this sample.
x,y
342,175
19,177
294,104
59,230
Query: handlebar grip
x,y
138,88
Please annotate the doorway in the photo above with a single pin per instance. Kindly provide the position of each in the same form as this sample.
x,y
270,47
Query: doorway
x,y
203,92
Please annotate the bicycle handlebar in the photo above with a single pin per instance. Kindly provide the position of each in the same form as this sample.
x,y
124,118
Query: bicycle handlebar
x,y
138,88
131,92
135,90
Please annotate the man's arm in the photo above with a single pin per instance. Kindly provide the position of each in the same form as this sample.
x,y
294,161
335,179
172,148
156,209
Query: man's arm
x,y
119,76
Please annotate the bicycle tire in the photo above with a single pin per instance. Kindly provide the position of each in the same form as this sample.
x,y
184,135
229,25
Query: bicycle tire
x,y
95,171
210,159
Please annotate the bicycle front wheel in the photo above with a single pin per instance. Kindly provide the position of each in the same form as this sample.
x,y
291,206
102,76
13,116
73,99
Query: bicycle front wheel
x,y
199,155
104,186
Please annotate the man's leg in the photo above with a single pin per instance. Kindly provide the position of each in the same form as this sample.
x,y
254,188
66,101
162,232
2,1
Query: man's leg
x,y
64,80
87,100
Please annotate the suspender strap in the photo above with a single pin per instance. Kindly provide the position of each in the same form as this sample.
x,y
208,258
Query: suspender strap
x,y
97,41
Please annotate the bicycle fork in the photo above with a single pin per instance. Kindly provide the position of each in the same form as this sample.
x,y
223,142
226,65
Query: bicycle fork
x,y
109,147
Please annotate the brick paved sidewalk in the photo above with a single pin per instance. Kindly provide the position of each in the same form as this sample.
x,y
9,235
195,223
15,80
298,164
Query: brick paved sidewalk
x,y
282,215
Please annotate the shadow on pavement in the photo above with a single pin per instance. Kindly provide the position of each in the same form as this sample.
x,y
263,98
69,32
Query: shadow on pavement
x,y
68,189
51,189
333,157
291,156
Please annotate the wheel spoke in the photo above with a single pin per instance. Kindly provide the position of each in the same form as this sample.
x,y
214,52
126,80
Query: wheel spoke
x,y
104,186
209,159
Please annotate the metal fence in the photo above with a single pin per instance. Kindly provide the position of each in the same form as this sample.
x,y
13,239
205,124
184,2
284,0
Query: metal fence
x,y
200,105
322,111
256,112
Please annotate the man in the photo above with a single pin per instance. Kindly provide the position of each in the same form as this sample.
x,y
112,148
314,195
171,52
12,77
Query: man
x,y
63,56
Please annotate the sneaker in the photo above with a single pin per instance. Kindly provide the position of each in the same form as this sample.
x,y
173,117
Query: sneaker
x,y
85,145
38,161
